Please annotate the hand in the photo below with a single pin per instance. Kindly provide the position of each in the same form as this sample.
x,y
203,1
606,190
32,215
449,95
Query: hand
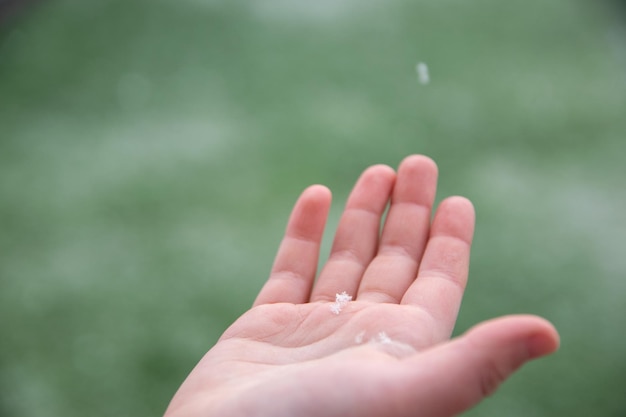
x,y
298,353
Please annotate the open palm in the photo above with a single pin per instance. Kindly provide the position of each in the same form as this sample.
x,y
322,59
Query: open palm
x,y
304,350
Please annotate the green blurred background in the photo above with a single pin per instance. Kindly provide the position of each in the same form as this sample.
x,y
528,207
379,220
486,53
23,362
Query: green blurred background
x,y
150,151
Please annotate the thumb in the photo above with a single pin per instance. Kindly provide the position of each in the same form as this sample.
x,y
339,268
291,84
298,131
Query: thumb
x,y
460,373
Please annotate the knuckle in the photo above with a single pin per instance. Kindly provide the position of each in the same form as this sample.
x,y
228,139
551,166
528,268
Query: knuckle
x,y
493,374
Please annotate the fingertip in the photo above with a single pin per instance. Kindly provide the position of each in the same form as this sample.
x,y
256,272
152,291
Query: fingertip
x,y
459,201
372,189
545,341
455,216
472,366
318,190
419,165
380,170
309,213
422,160
316,198
460,206
539,335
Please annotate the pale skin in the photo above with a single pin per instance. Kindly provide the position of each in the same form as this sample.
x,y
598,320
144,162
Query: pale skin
x,y
291,355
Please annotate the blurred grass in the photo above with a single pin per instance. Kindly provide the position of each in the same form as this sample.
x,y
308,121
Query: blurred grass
x,y
150,152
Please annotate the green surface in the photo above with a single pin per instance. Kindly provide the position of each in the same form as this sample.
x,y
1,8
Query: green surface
x,y
150,152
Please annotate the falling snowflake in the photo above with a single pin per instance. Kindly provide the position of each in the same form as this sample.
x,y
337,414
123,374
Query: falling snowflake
x,y
422,73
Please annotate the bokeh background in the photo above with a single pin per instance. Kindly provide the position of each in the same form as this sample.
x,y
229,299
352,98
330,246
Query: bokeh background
x,y
150,152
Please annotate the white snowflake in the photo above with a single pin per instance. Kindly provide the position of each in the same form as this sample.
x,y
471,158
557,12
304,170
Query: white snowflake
x,y
340,301
383,338
422,73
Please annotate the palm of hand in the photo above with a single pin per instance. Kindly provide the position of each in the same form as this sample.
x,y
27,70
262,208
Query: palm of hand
x,y
293,355
274,347
312,331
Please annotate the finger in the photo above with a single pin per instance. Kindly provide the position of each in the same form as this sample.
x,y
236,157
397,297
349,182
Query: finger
x,y
405,232
442,275
295,265
357,235
461,373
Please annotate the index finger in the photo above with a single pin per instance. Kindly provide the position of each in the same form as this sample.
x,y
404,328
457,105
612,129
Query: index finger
x,y
443,272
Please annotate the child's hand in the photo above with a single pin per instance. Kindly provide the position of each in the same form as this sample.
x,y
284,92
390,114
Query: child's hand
x,y
299,353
